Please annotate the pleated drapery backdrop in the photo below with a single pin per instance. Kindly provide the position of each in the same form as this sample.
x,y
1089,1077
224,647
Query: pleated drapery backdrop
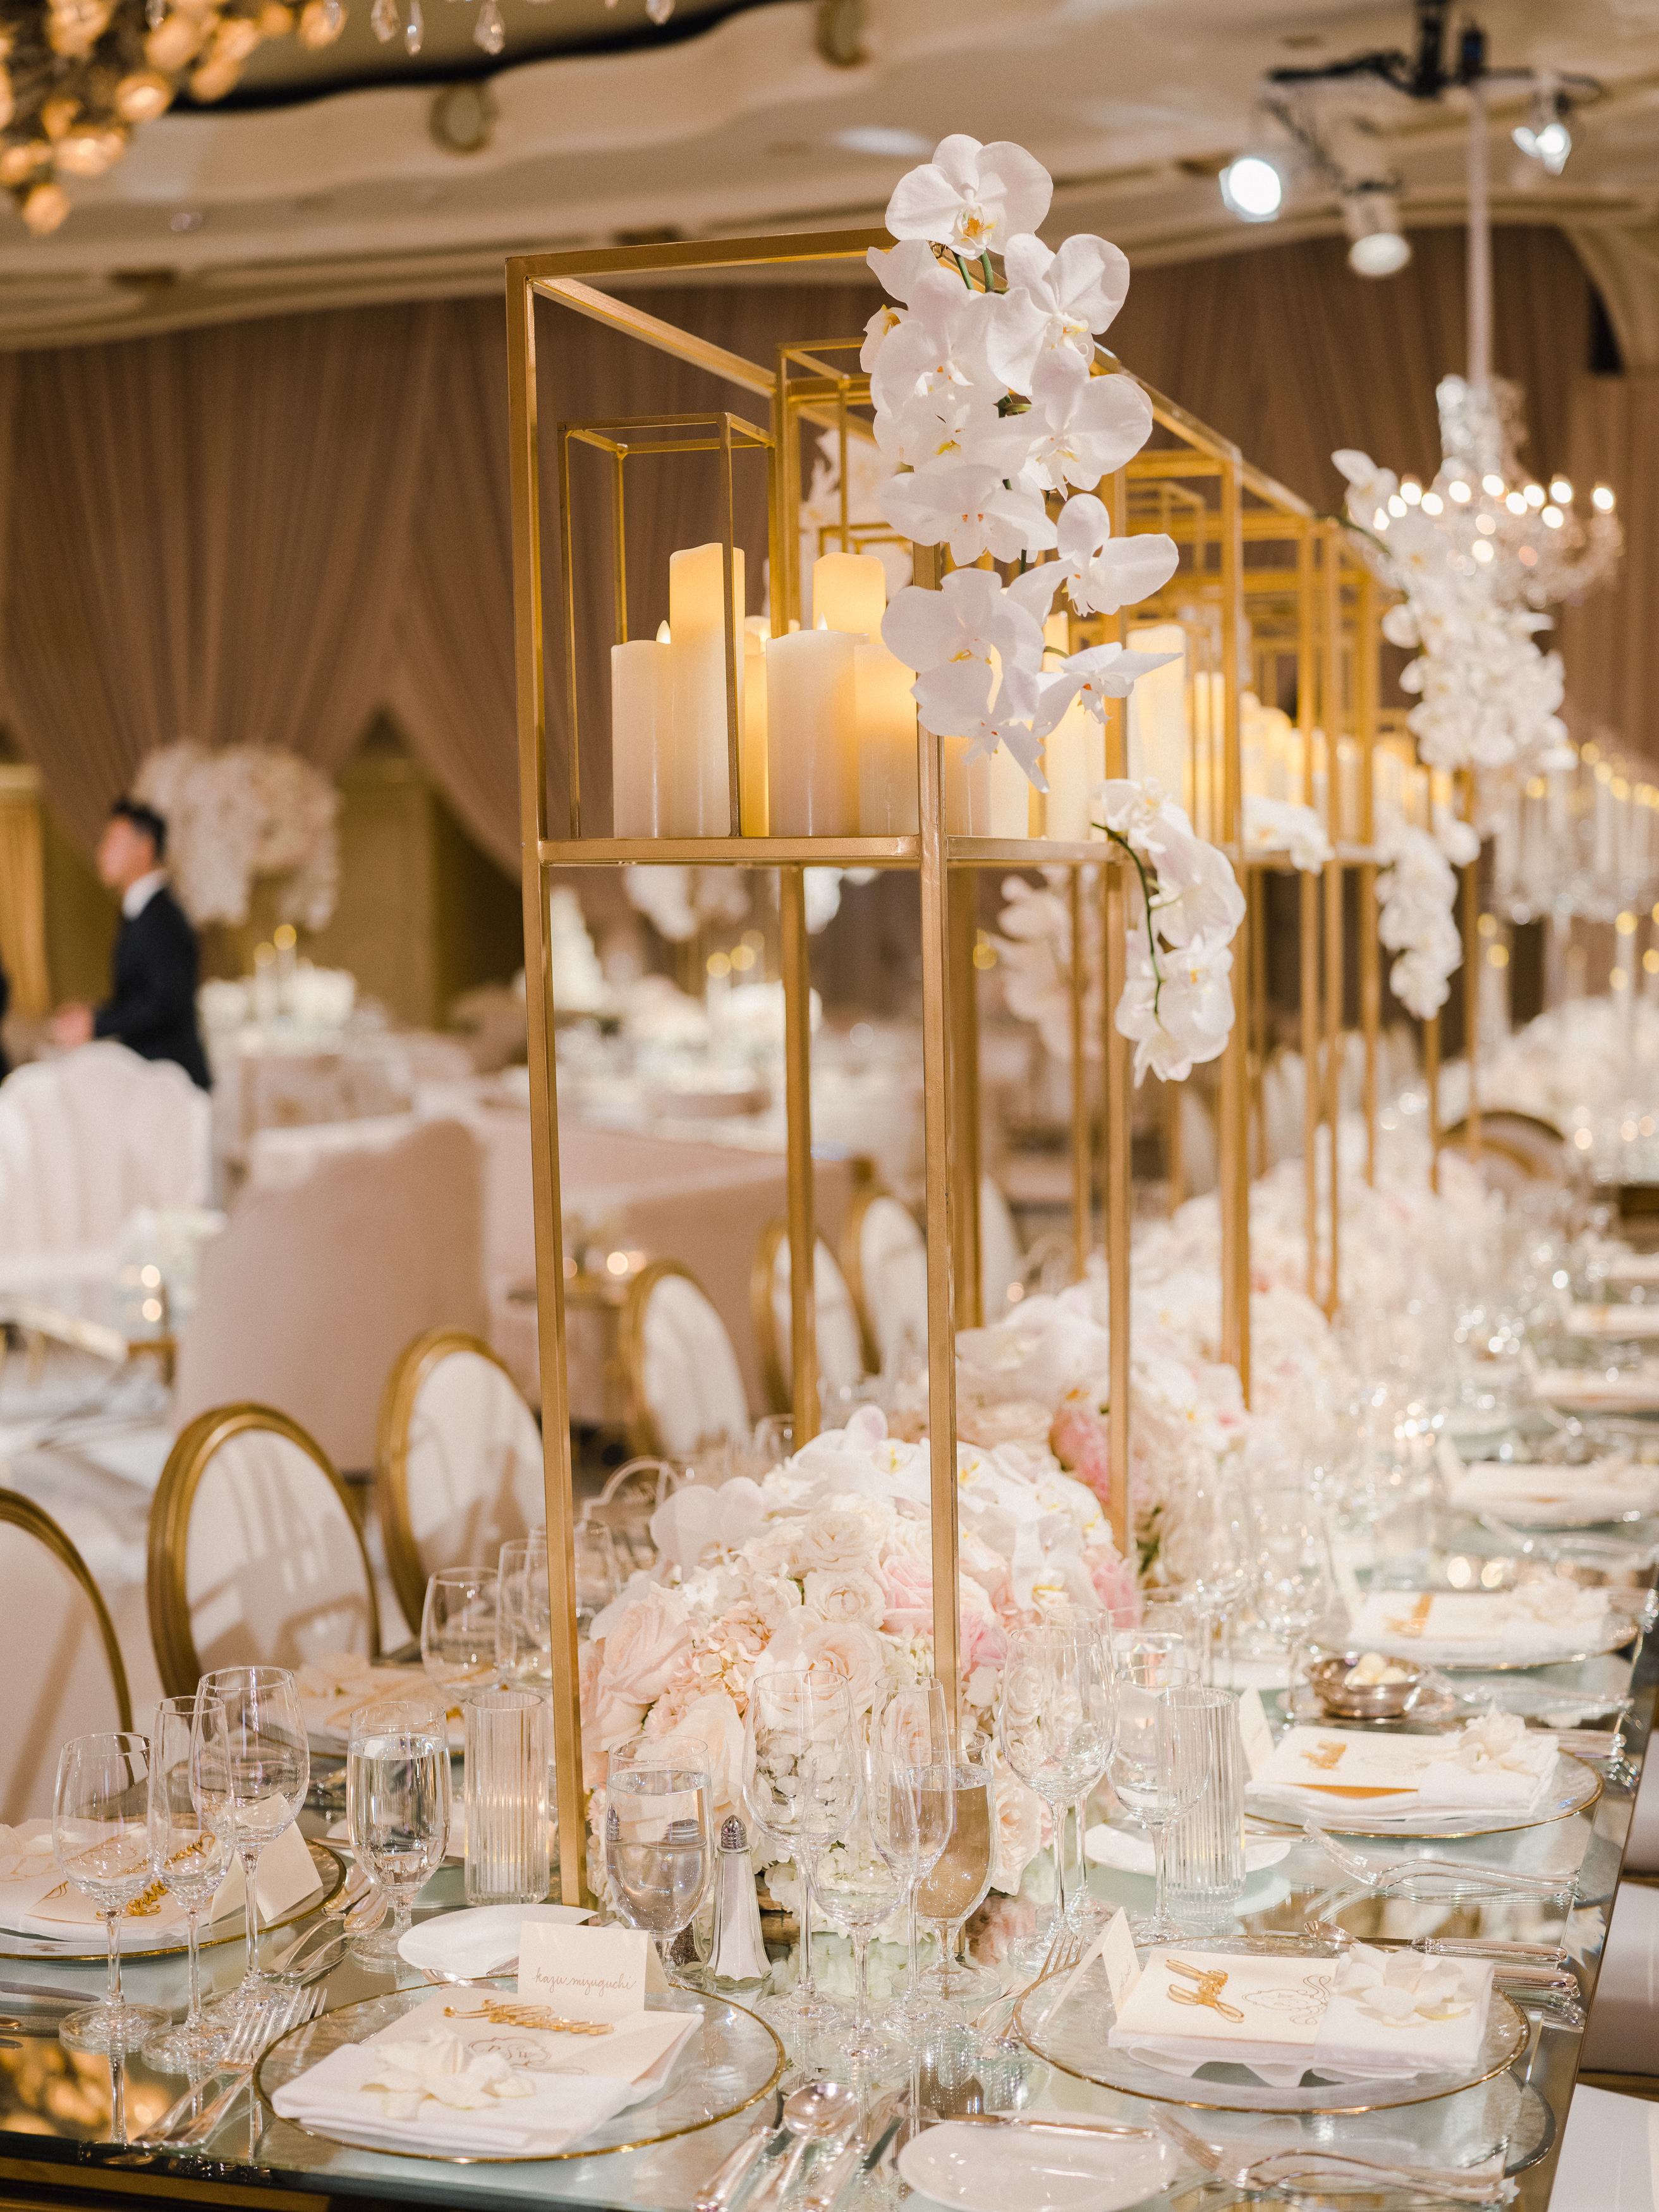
x,y
265,531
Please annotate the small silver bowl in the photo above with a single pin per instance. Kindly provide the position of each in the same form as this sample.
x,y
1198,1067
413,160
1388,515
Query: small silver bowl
x,y
1365,1701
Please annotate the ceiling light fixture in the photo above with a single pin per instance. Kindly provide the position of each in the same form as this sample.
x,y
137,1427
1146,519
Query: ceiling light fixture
x,y
1371,216
1544,136
882,140
1252,188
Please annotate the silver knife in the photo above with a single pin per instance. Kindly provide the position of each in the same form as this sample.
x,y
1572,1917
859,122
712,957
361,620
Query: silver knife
x,y
729,2177
857,2156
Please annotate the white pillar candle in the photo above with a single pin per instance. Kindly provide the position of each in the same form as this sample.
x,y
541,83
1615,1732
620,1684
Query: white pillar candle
x,y
1158,715
850,592
751,734
812,720
1010,797
967,790
701,673
888,803
1074,759
641,737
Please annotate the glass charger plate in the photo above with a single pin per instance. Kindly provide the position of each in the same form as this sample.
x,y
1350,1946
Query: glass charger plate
x,y
734,2060
1074,2039
328,1864
1625,1613
1576,1787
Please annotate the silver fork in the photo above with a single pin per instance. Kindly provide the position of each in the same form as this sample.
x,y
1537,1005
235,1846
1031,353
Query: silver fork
x,y
357,1911
1481,2185
176,2129
1064,1952
1398,1871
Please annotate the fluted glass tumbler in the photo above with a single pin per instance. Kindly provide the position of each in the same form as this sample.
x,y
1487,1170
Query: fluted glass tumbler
x,y
507,1856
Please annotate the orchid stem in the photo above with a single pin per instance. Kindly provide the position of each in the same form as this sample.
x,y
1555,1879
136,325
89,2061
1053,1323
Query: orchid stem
x,y
1116,837
990,277
961,271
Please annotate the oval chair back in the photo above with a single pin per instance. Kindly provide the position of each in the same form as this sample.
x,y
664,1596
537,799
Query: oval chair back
x,y
255,1559
840,1337
683,1385
884,1260
458,1462
64,1671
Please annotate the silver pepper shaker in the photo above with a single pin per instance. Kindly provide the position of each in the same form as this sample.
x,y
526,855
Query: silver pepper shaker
x,y
739,1952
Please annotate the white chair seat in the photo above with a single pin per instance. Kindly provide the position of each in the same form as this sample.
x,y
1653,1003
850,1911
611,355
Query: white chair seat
x,y
1623,2035
839,1339
1609,2155
64,1671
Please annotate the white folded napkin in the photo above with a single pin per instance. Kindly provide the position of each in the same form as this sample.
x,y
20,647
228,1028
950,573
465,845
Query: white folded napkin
x,y
1495,1763
1616,1321
1626,1390
479,1941
463,2088
1129,1854
37,1899
1542,1496
1495,1760
1535,1618
1364,2015
332,1688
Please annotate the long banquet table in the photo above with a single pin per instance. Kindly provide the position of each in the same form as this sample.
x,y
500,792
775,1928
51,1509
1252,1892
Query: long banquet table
x,y
58,2145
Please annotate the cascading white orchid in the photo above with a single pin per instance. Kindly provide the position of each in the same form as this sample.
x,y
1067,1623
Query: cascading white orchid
x,y
976,645
1418,894
1103,572
971,198
1284,826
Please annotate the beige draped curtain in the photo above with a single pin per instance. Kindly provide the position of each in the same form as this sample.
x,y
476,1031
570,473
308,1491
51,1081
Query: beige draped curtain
x,y
266,531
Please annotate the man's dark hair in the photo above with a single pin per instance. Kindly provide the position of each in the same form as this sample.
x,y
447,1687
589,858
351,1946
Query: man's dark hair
x,y
144,818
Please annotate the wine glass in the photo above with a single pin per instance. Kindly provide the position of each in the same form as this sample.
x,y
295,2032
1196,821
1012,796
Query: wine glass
x,y
1055,1723
192,1859
1157,1769
948,1895
792,1710
250,1766
1295,1580
1205,1559
458,1631
912,1737
100,1840
397,1807
598,1574
524,1617
659,1837
1160,1655
860,1877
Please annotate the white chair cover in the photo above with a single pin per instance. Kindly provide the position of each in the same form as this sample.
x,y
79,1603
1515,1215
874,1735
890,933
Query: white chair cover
x,y
319,1282
999,1252
840,1341
1623,2035
691,1381
472,1474
1641,1845
1609,2156
86,1139
58,1682
274,1574
893,1269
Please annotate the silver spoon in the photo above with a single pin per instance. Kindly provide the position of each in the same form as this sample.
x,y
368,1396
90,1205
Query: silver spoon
x,y
812,2113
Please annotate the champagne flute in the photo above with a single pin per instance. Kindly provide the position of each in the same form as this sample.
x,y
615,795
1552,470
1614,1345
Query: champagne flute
x,y
948,1895
1157,1770
912,1737
523,1618
659,1837
861,1876
100,1840
397,1807
1296,1582
791,1711
248,1778
599,1572
1056,1724
193,1859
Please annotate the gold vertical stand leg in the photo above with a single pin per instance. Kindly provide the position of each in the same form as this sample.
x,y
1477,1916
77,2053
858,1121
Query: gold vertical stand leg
x,y
1256,894
1370,1005
1472,999
1307,919
1431,1080
941,1302
1118,1201
1081,1178
1233,1136
964,1105
570,1803
798,1105
1333,1012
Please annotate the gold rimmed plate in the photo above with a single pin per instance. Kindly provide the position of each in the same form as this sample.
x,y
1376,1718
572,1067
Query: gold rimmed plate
x,y
330,1868
1574,1787
723,2068
1072,2036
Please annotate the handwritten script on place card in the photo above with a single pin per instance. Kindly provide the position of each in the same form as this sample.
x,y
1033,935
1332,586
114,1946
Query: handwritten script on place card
x,y
584,1973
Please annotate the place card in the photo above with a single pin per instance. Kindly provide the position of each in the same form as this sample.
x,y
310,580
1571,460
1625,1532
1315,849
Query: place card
x,y
585,1974
288,1875
1115,1947
1252,1726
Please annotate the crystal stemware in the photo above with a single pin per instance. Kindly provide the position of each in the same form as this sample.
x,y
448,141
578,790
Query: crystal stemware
x,y
911,1737
792,1710
523,1616
397,1807
100,1840
192,1858
248,1776
458,1631
659,1839
948,1897
1056,1722
861,1877
1296,1582
1156,1770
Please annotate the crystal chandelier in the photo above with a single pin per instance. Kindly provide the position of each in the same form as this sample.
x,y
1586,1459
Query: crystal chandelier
x,y
77,76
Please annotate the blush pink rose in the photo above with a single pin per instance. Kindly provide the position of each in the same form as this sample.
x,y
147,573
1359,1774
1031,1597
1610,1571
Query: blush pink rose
x,y
1079,1440
909,1593
1113,1581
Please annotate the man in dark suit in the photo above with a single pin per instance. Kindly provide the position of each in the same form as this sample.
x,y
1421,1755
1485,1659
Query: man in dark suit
x,y
152,1008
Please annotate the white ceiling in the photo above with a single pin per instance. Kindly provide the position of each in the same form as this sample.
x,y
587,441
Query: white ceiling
x,y
348,196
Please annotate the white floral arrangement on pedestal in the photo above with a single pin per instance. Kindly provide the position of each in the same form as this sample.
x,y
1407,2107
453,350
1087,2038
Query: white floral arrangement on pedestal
x,y
235,813
1417,893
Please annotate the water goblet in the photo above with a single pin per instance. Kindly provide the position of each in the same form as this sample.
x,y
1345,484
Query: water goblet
x,y
100,1840
952,1891
458,1631
192,1859
250,1766
397,1808
1156,1770
912,1738
598,1574
1296,1582
791,1711
659,1837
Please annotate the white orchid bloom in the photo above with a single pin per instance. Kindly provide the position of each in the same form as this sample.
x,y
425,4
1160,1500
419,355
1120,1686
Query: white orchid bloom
x,y
971,197
1072,295
971,510
1092,677
1198,894
1399,626
907,269
1084,426
939,340
1282,825
976,646
1182,1014
1459,841
954,426
1103,572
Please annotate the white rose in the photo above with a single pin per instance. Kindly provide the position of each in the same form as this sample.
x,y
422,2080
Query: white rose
x,y
1016,1832
771,1553
834,1536
843,1651
709,1726
840,1594
645,1645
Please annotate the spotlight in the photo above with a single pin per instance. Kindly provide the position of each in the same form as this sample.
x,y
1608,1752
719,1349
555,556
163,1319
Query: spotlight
x,y
1252,188
1601,500
1545,136
1372,221
1560,491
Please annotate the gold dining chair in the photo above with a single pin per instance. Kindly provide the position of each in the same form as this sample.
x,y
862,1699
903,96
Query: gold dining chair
x,y
458,1462
64,1671
682,1384
255,1559
839,1336
883,1256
